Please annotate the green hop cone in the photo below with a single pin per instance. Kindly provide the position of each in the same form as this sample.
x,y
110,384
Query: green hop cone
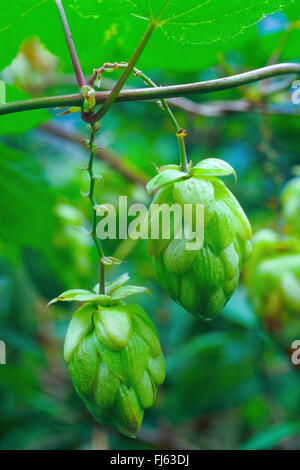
x,y
272,277
114,358
200,280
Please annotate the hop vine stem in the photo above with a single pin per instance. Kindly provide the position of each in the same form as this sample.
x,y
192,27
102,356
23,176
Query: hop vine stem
x,y
157,93
125,75
93,131
94,117
180,133
70,43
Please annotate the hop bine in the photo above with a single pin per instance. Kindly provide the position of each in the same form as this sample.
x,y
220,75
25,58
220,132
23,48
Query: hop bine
x,y
114,356
201,280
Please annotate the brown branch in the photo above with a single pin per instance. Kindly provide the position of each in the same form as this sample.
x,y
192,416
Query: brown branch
x,y
150,94
70,44
221,108
211,108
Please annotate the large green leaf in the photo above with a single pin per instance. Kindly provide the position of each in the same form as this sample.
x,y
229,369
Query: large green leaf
x,y
283,43
191,21
110,30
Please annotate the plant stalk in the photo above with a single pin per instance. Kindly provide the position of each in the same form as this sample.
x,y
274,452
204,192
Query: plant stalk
x,y
154,94
180,133
183,157
70,43
93,131
125,75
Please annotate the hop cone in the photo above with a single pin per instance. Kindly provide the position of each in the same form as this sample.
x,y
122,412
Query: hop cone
x,y
113,355
201,280
272,276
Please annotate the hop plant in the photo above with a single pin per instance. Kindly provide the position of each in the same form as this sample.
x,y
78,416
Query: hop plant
x,y
290,199
272,276
201,280
114,356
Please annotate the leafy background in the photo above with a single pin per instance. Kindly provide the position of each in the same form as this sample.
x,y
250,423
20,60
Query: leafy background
x,y
228,385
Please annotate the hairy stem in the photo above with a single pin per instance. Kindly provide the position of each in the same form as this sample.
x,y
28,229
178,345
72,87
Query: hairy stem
x,y
70,43
154,94
93,131
180,133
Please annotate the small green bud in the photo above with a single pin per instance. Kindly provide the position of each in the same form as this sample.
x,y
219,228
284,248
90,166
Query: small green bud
x,y
89,95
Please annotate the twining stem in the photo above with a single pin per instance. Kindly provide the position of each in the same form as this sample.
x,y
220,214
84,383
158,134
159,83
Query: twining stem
x,y
180,133
125,75
70,43
93,131
93,178
154,94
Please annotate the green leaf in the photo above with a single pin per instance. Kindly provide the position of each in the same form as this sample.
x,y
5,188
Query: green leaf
x,y
212,167
164,178
79,295
191,21
109,260
195,31
110,287
125,291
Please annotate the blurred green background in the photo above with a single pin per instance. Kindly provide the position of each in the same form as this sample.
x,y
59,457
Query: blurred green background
x,y
229,385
